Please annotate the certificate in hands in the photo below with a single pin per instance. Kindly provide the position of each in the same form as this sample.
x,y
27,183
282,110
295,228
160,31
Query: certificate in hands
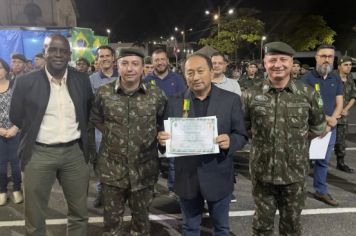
x,y
191,136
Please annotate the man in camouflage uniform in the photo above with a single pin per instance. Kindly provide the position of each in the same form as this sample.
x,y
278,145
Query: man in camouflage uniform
x,y
127,112
280,113
296,69
250,78
344,69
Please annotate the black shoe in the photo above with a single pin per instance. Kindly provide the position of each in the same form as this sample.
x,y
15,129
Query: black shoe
x,y
98,202
343,167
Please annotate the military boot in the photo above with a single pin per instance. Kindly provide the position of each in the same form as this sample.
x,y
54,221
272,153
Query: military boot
x,y
98,202
342,166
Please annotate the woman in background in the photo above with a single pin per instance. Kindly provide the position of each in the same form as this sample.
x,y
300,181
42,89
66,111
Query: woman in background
x,y
9,140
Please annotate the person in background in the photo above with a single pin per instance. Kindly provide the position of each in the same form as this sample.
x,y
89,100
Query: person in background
x,y
9,140
105,59
296,69
326,82
344,71
39,61
82,65
148,66
18,65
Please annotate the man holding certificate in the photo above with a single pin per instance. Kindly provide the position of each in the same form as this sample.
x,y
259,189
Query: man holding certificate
x,y
205,145
281,113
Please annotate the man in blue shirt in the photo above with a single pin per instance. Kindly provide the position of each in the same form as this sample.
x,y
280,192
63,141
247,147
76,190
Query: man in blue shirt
x,y
331,90
171,83
106,58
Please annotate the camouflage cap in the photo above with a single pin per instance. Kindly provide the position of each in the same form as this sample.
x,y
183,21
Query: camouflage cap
x,y
344,59
295,61
147,60
278,48
253,62
19,56
124,52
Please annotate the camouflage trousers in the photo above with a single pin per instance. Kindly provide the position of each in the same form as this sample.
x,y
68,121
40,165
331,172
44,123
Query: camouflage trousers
x,y
340,145
114,208
288,199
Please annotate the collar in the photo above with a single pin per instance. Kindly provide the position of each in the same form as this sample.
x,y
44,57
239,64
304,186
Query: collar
x,y
115,73
51,78
290,87
222,81
141,88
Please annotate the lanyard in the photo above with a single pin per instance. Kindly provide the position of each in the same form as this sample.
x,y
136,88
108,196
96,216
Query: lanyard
x,y
186,107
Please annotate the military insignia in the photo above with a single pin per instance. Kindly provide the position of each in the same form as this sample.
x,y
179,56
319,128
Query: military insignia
x,y
266,50
261,98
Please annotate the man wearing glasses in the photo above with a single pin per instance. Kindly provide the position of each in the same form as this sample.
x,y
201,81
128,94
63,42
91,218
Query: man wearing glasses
x,y
330,87
344,69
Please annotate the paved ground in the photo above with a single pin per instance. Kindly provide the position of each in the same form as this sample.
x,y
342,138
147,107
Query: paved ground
x,y
318,218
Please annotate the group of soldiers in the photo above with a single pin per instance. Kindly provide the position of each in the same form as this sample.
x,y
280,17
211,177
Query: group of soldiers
x,y
278,112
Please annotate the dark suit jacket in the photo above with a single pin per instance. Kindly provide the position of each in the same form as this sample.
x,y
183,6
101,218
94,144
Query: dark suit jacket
x,y
29,103
213,174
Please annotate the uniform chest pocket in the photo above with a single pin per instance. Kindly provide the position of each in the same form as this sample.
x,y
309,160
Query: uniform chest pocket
x,y
298,114
114,109
262,112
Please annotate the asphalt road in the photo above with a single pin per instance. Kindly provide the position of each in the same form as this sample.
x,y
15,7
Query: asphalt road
x,y
317,218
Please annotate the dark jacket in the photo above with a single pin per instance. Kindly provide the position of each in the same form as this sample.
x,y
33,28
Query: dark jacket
x,y
29,104
210,174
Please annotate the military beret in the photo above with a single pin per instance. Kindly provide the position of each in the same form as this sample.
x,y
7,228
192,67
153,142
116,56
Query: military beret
x,y
305,66
147,60
5,65
252,63
344,59
40,55
295,61
19,56
124,52
278,48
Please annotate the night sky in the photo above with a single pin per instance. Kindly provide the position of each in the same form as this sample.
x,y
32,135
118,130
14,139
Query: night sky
x,y
138,20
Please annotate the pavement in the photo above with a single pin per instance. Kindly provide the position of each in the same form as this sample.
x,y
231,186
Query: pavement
x,y
317,217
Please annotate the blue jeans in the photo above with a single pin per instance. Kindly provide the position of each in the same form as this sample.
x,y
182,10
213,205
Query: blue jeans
x,y
192,210
8,149
170,178
321,167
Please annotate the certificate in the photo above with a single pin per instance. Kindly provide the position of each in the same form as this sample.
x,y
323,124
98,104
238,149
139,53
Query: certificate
x,y
191,136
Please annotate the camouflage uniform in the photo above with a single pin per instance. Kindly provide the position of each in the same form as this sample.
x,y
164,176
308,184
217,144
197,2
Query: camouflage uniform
x,y
128,159
280,121
245,82
349,93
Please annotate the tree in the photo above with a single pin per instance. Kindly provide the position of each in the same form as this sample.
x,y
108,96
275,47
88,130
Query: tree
x,y
306,33
233,32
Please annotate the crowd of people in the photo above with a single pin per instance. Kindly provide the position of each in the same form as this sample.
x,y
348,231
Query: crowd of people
x,y
57,120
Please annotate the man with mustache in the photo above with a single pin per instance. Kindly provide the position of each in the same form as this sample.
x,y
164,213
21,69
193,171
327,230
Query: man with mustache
x,y
330,87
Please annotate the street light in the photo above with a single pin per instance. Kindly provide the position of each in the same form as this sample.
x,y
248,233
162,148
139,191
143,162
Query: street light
x,y
217,16
263,38
108,31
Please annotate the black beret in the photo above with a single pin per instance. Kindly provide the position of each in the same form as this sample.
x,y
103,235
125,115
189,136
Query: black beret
x,y
124,52
19,56
40,55
344,59
279,48
5,65
147,60
295,61
306,66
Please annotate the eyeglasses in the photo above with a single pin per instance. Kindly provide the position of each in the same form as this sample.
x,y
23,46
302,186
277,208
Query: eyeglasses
x,y
326,56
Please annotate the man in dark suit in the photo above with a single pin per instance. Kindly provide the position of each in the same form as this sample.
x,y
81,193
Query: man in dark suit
x,y
51,107
208,176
